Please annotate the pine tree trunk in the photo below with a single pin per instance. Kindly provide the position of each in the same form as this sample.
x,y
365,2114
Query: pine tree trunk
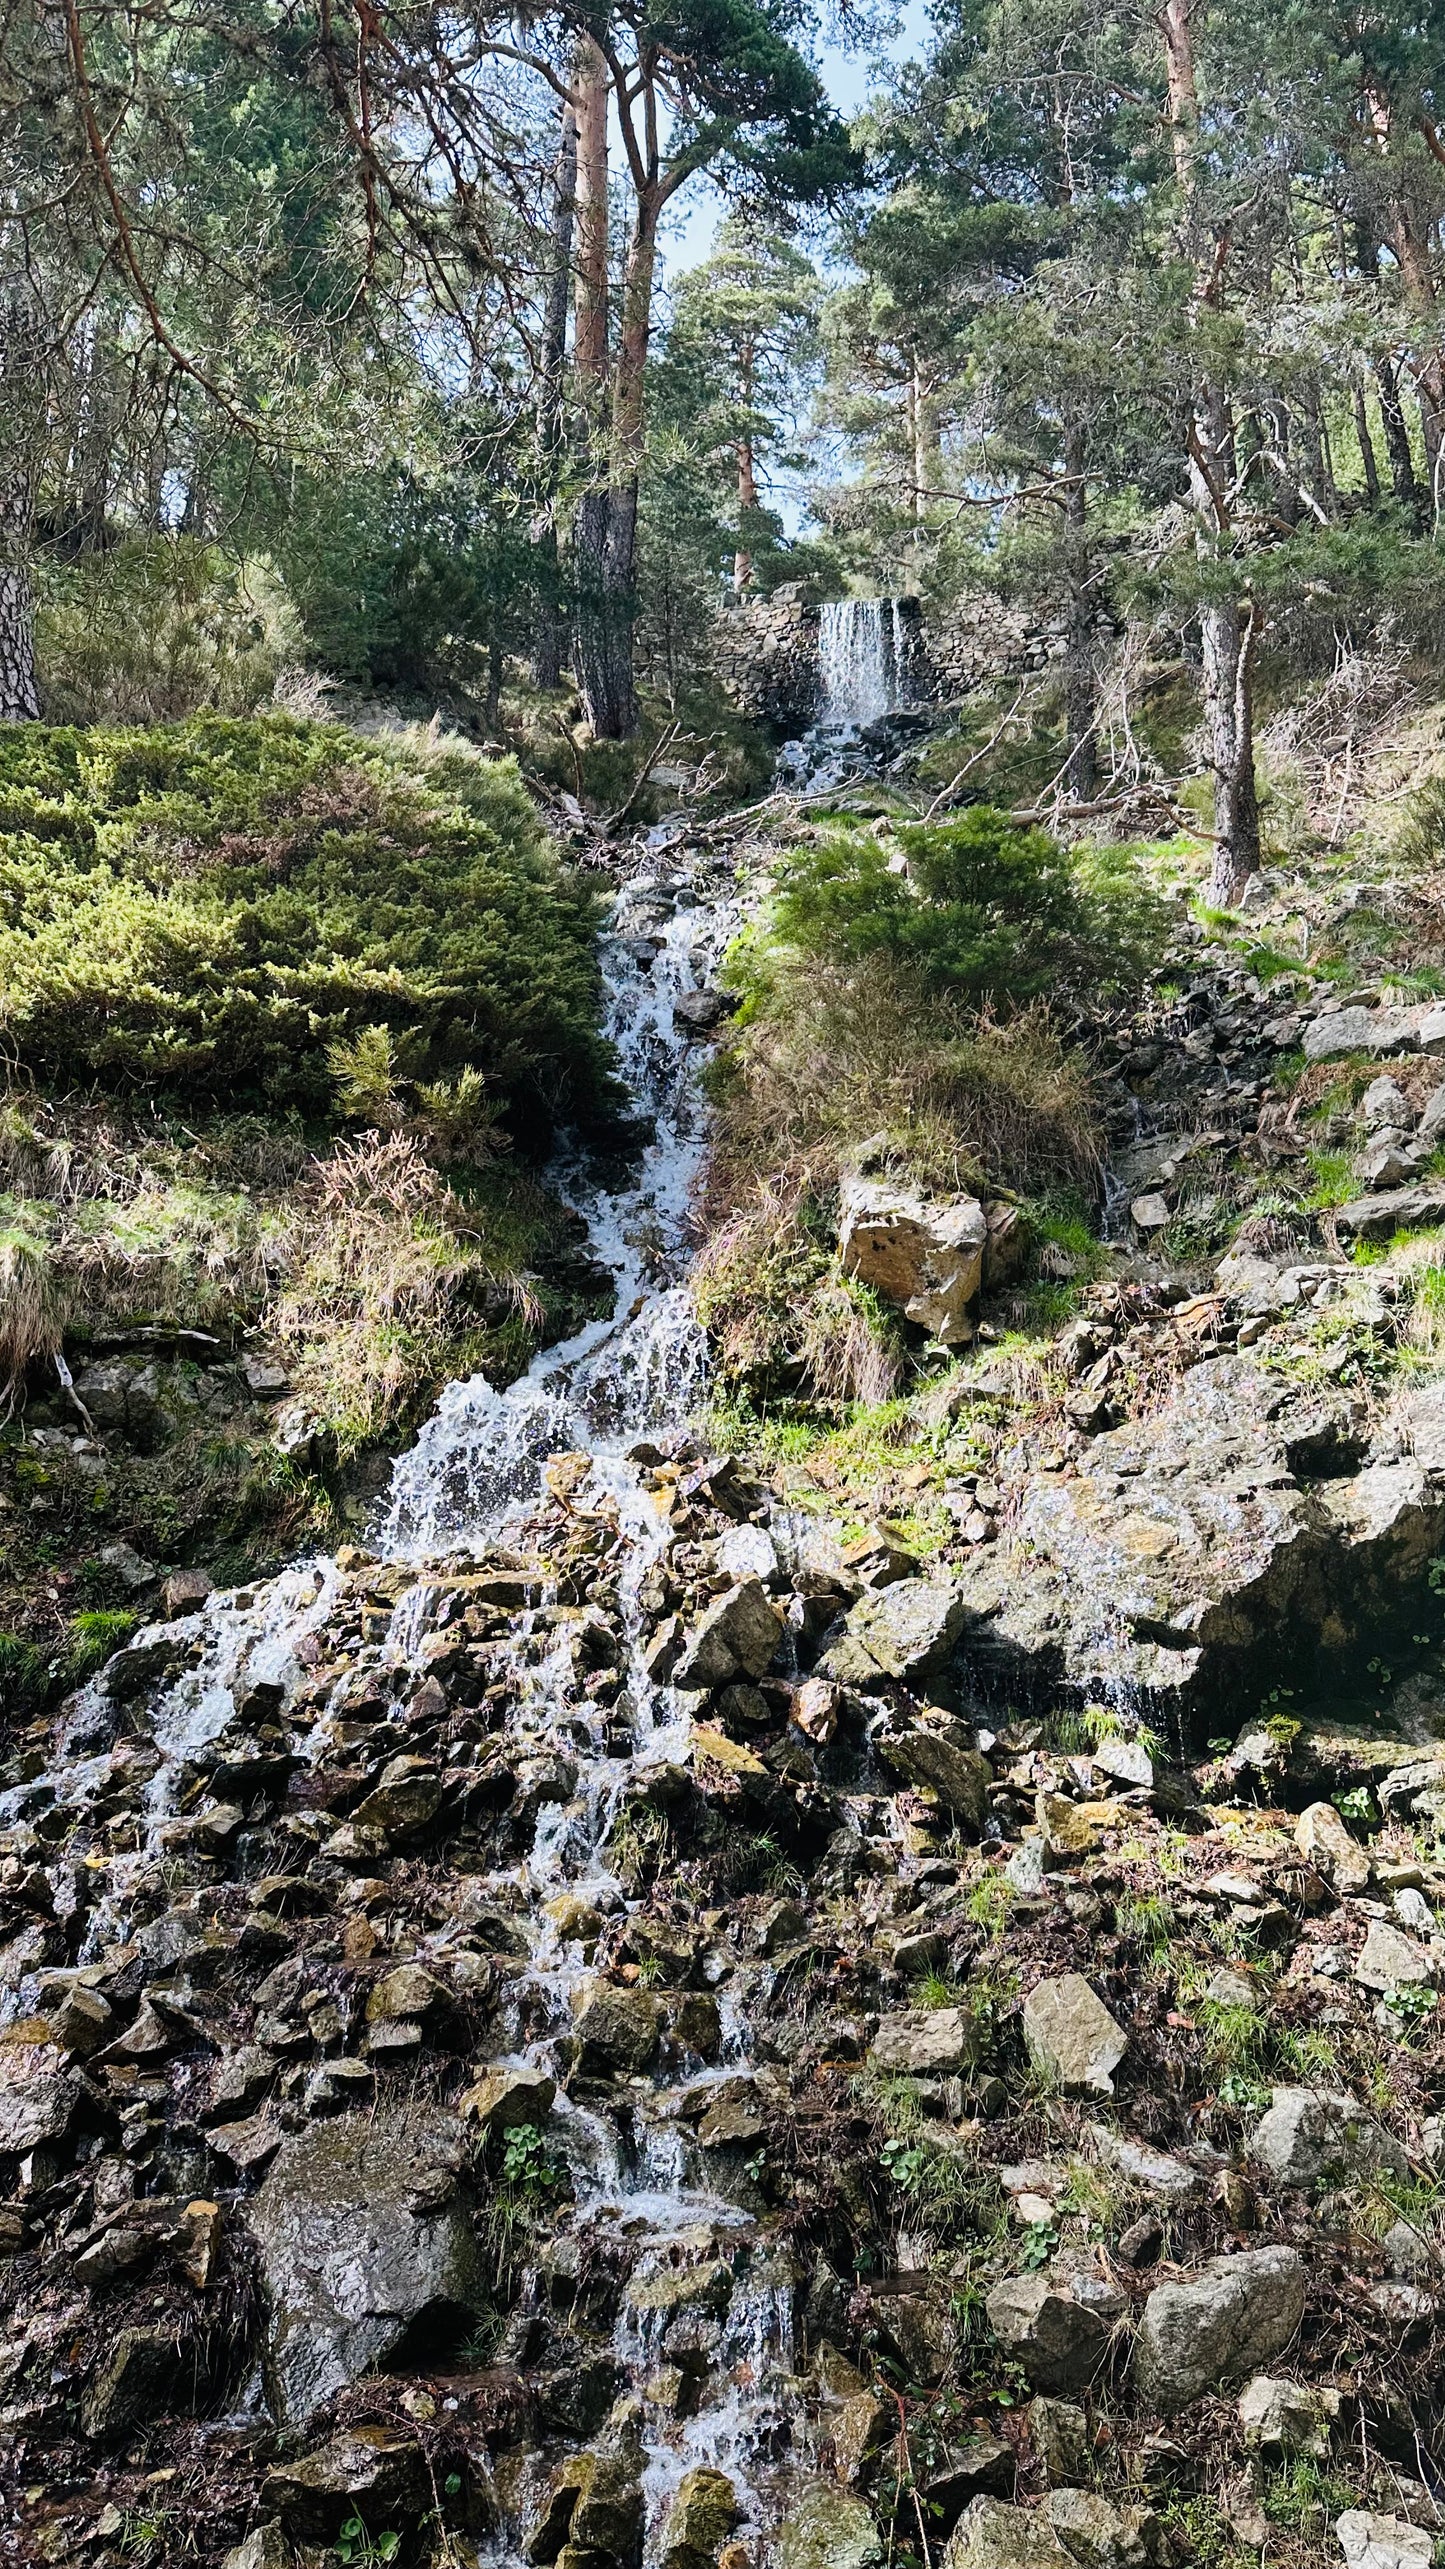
x,y
19,430
1366,445
551,645
1397,443
1081,772
1228,636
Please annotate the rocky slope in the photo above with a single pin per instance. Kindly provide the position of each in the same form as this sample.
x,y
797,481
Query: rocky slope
x,y
619,2024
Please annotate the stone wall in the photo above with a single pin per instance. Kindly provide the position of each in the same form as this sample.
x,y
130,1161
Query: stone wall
x,y
766,650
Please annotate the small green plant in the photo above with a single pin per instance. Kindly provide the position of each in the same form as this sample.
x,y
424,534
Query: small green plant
x,y
1410,2004
360,2549
95,1636
1358,1803
1040,2241
526,2167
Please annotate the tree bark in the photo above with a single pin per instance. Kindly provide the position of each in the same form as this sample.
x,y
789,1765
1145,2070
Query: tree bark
x,y
1228,628
19,430
603,541
747,473
1366,445
551,620
1081,772
1397,444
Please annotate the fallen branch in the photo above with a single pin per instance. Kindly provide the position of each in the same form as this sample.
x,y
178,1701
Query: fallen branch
x,y
623,812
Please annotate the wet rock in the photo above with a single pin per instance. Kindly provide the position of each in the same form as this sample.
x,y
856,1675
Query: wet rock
x,y
364,2248
38,2096
82,2021
699,2520
1382,2541
941,1756
1316,2136
1208,2330
828,2529
142,2373
503,2099
593,2506
1057,2339
1285,2419
406,1992
992,2535
923,1255
925,2042
1072,2039
616,2028
404,1802
736,1638
1387,1960
701,1012
904,1631
373,2471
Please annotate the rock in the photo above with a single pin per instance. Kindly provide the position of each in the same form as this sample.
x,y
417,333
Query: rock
x,y
1285,2419
1360,1030
925,2042
701,1012
1154,2170
736,1638
1316,2136
140,2375
408,1991
1325,1842
364,2246
503,2099
266,2548
1432,1120
1385,1103
992,2535
371,2471
1150,1213
1058,2340
1101,2536
1072,2039
828,2529
1387,1960
404,1802
942,1758
1379,1217
814,1708
1382,2541
134,1572
699,2520
864,2427
616,2028
265,1379
904,1630
1059,2434
82,2021
923,1255
1387,1163
593,2508
186,1590
1233,2315
38,2096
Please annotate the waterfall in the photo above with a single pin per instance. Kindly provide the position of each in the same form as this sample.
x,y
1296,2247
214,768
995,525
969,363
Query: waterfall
x,y
862,661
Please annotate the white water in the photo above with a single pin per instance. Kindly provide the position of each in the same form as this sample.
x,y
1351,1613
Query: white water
x,y
477,1464
862,662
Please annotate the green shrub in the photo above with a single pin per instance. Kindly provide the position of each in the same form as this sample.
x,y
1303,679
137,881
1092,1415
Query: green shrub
x,y
984,908
209,908
158,628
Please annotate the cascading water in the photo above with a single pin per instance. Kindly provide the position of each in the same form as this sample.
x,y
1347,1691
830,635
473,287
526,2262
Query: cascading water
x,y
468,1480
862,662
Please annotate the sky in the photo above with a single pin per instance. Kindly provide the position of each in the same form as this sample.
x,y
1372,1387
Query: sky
x,y
851,78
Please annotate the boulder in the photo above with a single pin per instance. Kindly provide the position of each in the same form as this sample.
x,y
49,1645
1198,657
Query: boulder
x,y
503,2099
924,1255
828,2529
1379,1217
1325,1842
904,1631
925,2042
735,1638
1057,2338
371,2471
699,2520
1072,2039
942,1758
1387,1960
142,2372
365,2249
616,2028
404,1802
1382,2541
1285,2419
1317,2136
593,2507
38,2095
1216,2325
992,2535
1100,2536
1339,1031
